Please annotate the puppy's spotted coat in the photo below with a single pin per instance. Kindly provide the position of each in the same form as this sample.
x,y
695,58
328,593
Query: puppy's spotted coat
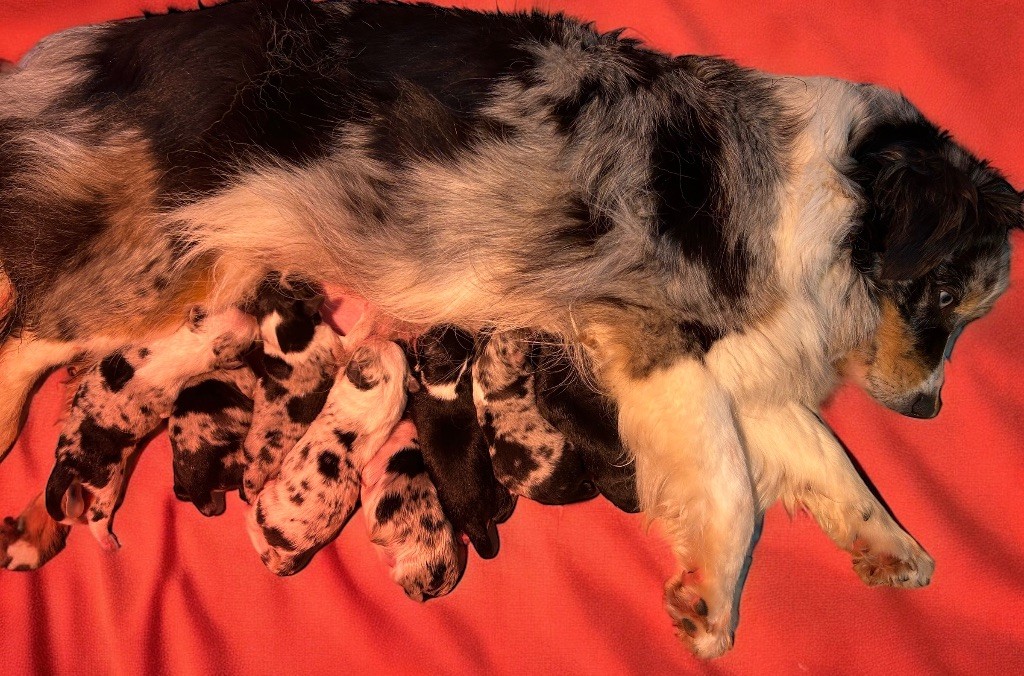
x,y
297,368
530,456
123,399
317,488
406,521
207,428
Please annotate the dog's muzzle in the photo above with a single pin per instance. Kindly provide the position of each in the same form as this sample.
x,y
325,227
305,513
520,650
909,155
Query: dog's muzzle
x,y
924,405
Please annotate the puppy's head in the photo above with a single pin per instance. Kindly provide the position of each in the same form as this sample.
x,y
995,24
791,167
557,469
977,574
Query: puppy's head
x,y
440,358
934,244
288,310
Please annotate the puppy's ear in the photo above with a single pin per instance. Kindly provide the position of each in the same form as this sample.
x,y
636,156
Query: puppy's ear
x,y
921,207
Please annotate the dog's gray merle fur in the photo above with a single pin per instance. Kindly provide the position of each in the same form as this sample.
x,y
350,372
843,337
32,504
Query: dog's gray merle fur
x,y
723,243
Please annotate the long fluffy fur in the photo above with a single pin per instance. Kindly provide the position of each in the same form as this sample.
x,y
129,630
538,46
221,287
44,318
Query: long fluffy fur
x,y
722,244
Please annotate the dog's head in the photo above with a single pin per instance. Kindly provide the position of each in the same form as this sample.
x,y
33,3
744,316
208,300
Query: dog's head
x,y
934,244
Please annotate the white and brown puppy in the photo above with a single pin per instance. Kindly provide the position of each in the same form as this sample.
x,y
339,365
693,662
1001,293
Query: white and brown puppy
x,y
530,456
454,446
123,399
317,488
405,518
207,429
296,366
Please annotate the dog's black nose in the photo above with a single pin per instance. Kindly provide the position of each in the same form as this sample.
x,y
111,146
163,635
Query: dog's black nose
x,y
926,406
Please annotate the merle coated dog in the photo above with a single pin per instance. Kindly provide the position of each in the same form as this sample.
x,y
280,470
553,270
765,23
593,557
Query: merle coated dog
x,y
724,244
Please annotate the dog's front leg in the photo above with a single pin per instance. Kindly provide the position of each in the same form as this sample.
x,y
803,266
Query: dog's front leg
x,y
796,457
692,473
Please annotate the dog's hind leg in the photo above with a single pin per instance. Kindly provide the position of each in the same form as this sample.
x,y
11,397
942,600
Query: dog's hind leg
x,y
692,473
796,457
23,361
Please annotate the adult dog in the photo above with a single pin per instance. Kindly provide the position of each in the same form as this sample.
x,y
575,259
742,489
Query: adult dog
x,y
722,244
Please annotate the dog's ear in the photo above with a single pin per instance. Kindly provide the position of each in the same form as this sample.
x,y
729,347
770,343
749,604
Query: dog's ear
x,y
920,206
919,201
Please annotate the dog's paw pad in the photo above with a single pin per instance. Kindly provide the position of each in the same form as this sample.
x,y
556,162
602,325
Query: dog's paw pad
x,y
884,568
690,613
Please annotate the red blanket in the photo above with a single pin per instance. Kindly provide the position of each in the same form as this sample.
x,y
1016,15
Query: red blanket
x,y
578,589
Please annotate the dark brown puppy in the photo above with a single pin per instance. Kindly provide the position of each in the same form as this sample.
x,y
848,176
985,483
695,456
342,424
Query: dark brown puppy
x,y
454,447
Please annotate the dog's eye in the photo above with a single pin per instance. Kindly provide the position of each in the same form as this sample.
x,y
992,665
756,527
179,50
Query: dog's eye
x,y
945,298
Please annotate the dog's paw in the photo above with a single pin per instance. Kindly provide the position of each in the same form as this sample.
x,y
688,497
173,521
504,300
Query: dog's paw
x,y
28,543
8,534
706,635
909,569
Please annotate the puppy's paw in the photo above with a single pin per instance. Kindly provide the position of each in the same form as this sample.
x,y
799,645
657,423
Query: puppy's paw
x,y
706,633
910,567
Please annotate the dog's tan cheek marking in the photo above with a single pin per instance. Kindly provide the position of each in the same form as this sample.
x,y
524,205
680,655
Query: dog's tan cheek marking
x,y
897,362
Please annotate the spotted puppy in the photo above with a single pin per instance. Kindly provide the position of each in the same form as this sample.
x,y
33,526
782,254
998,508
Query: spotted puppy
x,y
530,456
405,518
588,421
317,488
31,539
453,445
123,399
297,368
207,428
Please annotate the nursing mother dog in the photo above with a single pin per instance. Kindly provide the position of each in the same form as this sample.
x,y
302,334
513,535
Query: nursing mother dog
x,y
721,245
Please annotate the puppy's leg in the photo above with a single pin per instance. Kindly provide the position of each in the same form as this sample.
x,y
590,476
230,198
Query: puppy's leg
x,y
23,361
796,457
692,473
29,541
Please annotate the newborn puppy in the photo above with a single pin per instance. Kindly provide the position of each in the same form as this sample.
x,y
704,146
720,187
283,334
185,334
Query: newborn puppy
x,y
29,541
317,488
588,421
123,399
296,368
406,521
207,429
530,456
453,445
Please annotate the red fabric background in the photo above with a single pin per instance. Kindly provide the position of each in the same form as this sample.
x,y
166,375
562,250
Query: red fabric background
x,y
578,589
